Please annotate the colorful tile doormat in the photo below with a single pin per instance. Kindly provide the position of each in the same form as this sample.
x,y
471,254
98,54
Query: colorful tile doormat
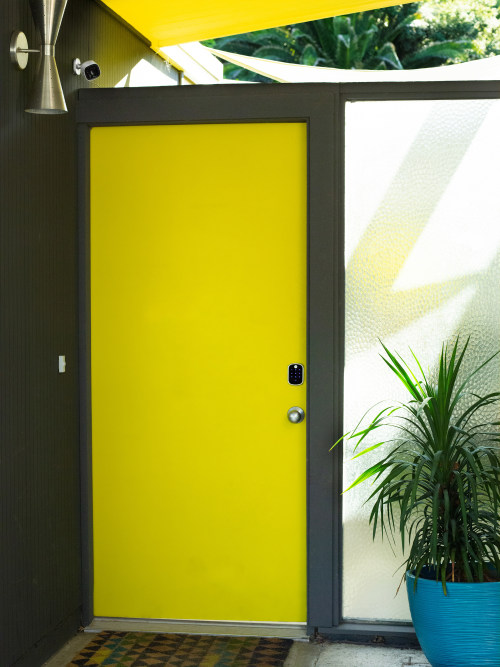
x,y
137,649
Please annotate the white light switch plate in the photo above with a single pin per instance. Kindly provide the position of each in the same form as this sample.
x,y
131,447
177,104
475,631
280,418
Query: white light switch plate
x,y
62,363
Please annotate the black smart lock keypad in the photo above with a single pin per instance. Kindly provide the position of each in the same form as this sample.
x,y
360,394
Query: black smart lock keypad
x,y
296,374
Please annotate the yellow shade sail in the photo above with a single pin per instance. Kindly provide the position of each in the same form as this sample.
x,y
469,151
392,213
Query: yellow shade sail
x,y
166,22
485,69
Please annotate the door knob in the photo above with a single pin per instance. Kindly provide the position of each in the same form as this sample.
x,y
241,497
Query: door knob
x,y
296,415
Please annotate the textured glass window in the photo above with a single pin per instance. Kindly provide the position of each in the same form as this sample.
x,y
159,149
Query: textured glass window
x,y
422,264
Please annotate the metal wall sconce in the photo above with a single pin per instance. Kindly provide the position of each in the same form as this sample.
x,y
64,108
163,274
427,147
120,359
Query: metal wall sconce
x,y
47,95
19,50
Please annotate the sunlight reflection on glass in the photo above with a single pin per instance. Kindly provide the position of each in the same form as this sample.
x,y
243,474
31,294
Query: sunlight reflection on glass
x,y
422,264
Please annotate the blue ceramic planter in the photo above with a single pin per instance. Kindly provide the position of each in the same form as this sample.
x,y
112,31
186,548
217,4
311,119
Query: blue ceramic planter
x,y
461,629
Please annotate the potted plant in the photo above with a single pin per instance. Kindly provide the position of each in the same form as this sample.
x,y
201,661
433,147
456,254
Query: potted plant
x,y
437,488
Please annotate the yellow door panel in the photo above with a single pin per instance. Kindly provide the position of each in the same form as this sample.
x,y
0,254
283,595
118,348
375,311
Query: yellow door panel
x,y
198,305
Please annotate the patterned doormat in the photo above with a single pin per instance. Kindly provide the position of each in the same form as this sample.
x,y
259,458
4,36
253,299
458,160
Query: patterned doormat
x,y
137,649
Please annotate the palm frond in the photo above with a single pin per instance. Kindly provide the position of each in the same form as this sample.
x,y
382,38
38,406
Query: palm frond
x,y
440,470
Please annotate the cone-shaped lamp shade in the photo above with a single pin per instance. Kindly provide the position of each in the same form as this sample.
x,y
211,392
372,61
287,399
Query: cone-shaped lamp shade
x,y
47,95
48,15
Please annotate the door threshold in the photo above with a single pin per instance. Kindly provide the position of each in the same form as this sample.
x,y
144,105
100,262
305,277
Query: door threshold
x,y
295,631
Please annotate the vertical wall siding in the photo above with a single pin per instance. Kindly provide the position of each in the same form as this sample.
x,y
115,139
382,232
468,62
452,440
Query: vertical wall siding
x,y
39,450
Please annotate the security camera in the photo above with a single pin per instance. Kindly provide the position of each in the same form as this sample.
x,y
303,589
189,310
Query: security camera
x,y
90,69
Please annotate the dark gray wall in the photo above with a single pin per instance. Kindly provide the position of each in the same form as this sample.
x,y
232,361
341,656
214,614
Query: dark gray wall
x,y
40,592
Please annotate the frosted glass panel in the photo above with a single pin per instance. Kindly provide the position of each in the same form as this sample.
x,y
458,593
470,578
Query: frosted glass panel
x,y
422,264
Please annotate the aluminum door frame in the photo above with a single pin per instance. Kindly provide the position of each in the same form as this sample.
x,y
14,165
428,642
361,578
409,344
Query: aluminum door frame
x,y
317,105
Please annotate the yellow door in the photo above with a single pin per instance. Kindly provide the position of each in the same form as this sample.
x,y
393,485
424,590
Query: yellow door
x,y
198,306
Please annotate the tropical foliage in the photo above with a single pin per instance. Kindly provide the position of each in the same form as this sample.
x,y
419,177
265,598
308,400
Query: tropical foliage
x,y
474,21
414,35
437,486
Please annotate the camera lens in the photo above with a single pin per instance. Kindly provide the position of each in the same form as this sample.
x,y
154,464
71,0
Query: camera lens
x,y
92,71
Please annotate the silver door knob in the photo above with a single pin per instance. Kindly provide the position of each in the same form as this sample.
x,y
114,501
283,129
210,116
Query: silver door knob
x,y
296,415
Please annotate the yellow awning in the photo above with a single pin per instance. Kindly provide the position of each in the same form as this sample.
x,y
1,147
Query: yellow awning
x,y
166,22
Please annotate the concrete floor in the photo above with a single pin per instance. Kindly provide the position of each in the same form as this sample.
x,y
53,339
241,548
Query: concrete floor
x,y
352,655
302,654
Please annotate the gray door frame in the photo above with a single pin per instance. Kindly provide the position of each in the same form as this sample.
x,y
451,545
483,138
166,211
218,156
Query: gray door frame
x,y
245,104
322,107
